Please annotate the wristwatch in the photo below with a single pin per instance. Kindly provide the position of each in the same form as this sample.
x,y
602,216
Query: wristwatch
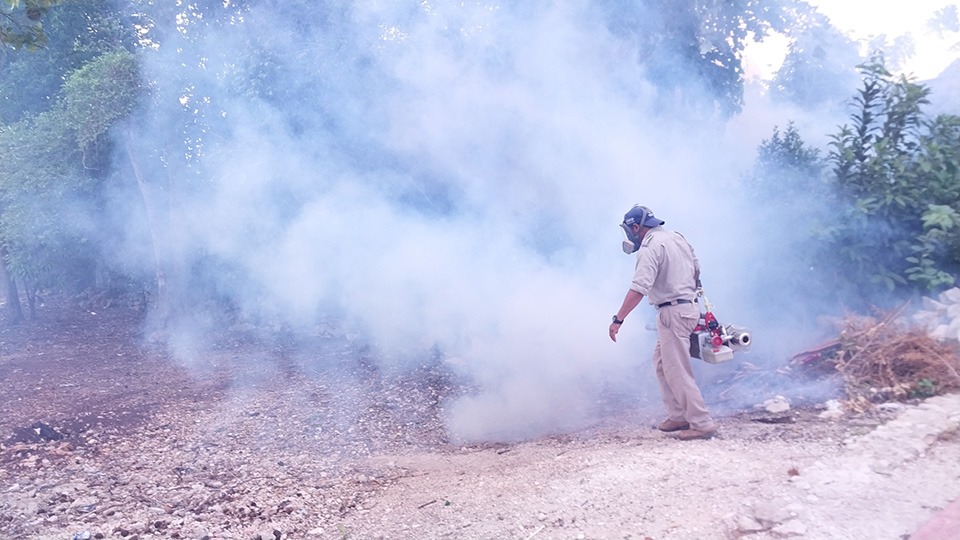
x,y
616,320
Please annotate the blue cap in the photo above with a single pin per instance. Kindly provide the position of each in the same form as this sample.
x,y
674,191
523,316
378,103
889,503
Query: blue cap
x,y
642,215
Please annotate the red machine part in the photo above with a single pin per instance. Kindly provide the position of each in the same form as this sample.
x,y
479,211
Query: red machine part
x,y
714,327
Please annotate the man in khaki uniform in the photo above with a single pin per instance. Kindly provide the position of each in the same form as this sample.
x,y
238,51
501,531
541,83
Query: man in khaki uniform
x,y
668,274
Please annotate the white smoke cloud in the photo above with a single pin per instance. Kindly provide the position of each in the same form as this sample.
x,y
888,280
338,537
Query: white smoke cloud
x,y
456,183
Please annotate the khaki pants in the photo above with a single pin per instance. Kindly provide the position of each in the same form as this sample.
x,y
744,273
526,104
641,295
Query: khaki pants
x,y
679,389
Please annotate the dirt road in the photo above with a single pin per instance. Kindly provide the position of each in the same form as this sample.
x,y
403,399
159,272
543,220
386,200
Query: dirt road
x,y
106,437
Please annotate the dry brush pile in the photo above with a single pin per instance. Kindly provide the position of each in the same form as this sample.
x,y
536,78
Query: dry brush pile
x,y
889,358
885,361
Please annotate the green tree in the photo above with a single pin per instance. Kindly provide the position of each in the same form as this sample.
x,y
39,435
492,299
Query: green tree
x,y
49,166
694,48
99,101
786,168
935,258
20,23
77,32
789,194
895,174
42,179
819,68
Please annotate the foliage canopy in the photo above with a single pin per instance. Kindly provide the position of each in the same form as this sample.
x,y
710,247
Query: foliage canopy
x,y
884,206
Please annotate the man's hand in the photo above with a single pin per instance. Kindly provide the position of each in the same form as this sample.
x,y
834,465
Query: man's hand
x,y
630,301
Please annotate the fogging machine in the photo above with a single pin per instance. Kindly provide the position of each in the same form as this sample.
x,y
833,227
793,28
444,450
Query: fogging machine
x,y
715,343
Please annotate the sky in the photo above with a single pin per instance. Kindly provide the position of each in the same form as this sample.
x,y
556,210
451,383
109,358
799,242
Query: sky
x,y
864,20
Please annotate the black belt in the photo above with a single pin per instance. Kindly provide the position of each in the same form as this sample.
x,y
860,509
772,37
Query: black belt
x,y
675,302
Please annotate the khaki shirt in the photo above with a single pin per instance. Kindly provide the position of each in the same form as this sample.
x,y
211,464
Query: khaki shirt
x,y
666,267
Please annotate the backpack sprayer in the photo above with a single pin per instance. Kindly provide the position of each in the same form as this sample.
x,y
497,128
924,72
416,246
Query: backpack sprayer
x,y
713,342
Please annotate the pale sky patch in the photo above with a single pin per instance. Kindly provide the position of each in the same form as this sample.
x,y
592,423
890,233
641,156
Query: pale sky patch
x,y
864,20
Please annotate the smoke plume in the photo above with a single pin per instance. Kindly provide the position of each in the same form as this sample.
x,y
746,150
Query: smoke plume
x,y
450,177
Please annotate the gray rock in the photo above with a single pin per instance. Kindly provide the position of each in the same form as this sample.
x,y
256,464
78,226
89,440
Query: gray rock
x,y
84,504
834,410
747,524
771,512
790,528
31,508
929,304
950,296
776,404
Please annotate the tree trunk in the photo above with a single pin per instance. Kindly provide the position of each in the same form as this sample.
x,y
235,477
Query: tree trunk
x,y
14,312
31,292
150,206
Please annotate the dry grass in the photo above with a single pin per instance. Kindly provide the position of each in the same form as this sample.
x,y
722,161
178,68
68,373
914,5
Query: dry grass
x,y
881,359
884,361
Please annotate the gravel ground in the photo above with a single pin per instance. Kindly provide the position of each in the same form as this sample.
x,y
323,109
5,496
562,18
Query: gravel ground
x,y
105,437
846,479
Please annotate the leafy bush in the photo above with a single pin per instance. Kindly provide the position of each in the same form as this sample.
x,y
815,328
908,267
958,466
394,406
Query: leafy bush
x,y
893,224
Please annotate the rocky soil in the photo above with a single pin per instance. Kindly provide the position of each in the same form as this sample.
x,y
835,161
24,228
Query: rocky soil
x,y
104,436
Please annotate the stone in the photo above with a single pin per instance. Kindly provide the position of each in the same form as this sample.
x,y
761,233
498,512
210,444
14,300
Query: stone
x,y
84,504
31,508
771,512
270,534
940,332
834,410
950,296
931,305
790,528
777,404
747,524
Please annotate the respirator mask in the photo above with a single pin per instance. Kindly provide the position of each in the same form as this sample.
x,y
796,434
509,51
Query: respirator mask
x,y
638,215
632,243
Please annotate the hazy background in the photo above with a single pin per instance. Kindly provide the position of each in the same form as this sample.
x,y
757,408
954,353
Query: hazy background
x,y
448,179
